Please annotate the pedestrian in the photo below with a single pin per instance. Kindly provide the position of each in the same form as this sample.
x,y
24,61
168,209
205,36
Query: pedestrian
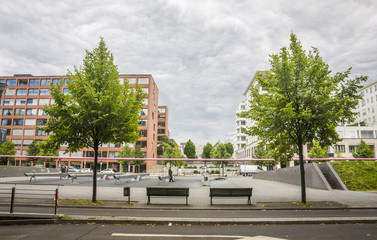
x,y
171,175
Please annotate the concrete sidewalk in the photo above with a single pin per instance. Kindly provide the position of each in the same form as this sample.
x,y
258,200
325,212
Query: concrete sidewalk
x,y
266,195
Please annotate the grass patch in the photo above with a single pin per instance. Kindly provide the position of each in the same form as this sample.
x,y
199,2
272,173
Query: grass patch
x,y
357,175
79,202
308,204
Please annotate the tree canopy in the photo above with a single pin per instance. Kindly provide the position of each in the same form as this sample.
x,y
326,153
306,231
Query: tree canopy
x,y
97,109
363,151
189,150
207,149
298,101
7,148
221,152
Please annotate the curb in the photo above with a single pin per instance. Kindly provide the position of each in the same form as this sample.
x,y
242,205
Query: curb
x,y
194,221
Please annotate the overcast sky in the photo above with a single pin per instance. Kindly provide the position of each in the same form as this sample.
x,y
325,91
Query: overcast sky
x,y
202,54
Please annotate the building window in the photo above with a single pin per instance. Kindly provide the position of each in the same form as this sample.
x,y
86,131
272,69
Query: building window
x,y
17,142
21,92
20,101
7,112
352,149
34,82
22,82
29,122
143,133
161,131
113,154
6,122
44,101
10,92
143,144
57,80
144,112
41,122
143,122
18,122
161,124
145,101
339,148
27,142
31,101
161,110
45,82
161,116
11,82
40,132
33,91
19,112
121,81
41,112
44,92
143,81
65,91
31,112
112,145
8,101
146,90
29,132
131,80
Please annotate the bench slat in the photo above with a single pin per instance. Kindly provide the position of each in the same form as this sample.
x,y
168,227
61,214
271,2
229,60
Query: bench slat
x,y
231,192
160,191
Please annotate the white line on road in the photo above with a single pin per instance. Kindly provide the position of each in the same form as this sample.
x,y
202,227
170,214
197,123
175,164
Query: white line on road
x,y
192,236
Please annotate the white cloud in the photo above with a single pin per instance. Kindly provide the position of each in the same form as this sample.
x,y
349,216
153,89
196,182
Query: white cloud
x,y
202,54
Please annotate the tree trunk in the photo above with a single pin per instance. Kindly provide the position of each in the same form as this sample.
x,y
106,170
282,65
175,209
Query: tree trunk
x,y
95,148
302,172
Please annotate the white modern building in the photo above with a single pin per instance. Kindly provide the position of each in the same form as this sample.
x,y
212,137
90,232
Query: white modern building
x,y
367,108
365,127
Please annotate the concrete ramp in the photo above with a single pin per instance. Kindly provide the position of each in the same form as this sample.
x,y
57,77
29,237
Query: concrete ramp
x,y
316,176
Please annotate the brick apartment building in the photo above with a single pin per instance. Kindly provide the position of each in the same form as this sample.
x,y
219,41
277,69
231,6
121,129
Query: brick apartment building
x,y
22,111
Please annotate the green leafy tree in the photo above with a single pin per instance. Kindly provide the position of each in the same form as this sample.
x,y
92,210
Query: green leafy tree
x,y
98,109
363,151
126,153
220,152
47,148
263,152
229,148
138,154
161,146
173,152
33,150
207,149
300,102
318,151
189,150
7,148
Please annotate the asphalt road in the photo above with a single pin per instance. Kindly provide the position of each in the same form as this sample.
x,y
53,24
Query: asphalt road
x,y
155,232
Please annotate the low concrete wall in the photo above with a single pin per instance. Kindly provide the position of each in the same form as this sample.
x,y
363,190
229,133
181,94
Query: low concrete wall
x,y
313,176
19,171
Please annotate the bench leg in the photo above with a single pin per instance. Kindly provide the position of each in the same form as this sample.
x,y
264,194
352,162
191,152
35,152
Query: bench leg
x,y
186,200
129,198
211,201
249,201
149,200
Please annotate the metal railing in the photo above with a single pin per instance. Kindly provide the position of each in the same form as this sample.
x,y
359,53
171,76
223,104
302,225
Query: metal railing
x,y
23,196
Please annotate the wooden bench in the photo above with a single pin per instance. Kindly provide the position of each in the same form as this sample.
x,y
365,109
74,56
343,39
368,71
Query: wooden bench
x,y
231,192
167,192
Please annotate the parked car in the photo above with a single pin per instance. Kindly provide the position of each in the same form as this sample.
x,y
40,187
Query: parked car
x,y
72,169
108,170
86,170
249,170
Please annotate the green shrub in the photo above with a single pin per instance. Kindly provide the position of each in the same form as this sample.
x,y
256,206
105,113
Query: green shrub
x,y
357,175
